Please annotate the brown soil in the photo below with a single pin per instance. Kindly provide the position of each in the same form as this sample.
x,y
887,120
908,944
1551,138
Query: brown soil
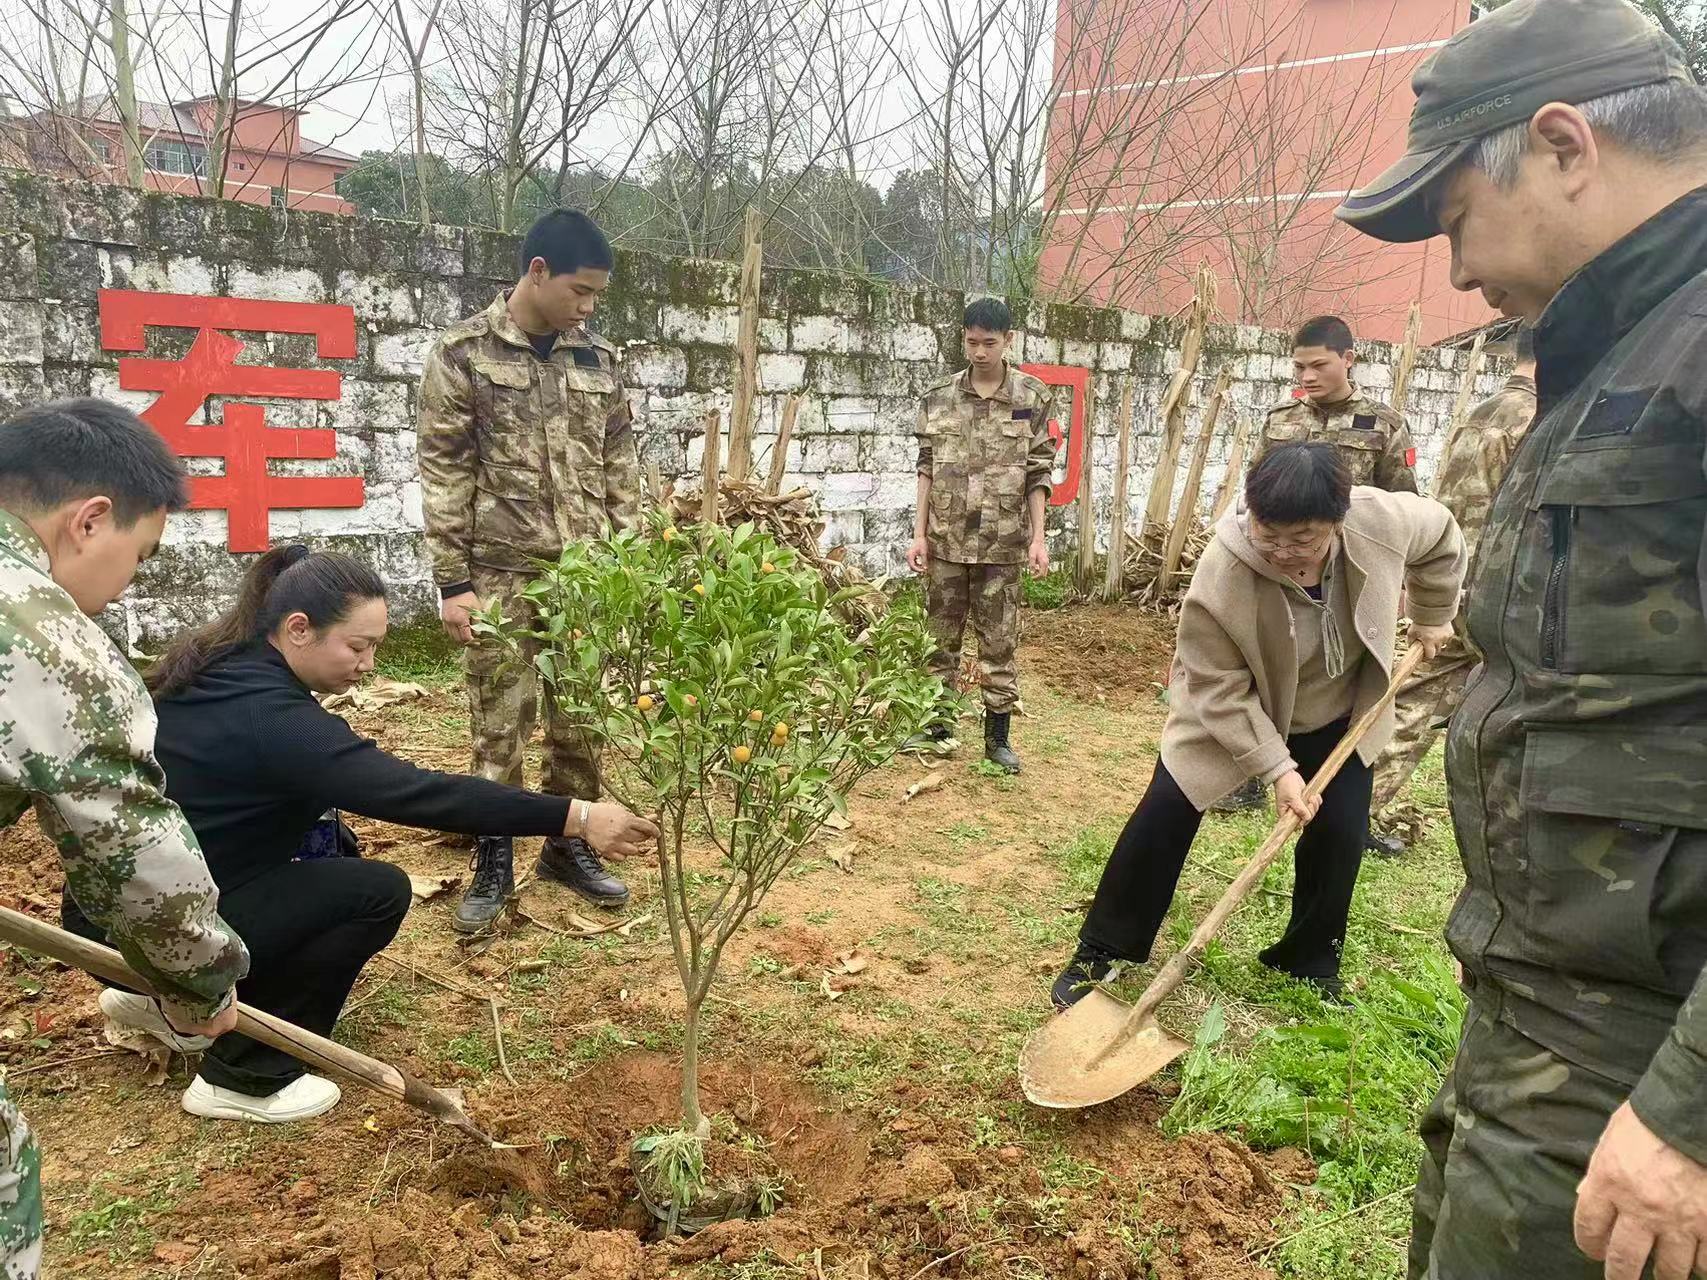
x,y
885,1172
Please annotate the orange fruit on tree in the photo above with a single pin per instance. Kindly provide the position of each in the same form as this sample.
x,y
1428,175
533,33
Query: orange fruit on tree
x,y
768,567
781,730
644,702
669,533
755,715
743,754
699,588
690,699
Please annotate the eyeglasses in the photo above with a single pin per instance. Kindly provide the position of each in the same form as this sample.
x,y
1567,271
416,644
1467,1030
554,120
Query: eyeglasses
x,y
1272,546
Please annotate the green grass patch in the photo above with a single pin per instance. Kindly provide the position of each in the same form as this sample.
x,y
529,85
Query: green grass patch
x,y
1048,592
420,652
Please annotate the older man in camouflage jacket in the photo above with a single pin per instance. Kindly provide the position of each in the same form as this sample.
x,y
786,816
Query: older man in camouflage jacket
x,y
1561,146
84,491
984,463
526,444
1472,465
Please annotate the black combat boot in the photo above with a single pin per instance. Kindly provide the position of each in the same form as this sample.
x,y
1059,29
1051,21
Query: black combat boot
x,y
996,748
494,867
1384,846
1252,795
573,864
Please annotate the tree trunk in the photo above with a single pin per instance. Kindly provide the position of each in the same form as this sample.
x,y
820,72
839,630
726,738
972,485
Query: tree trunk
x,y
693,1119
225,103
124,91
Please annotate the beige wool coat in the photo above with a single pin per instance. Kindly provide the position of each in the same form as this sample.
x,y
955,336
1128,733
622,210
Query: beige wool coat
x,y
1235,674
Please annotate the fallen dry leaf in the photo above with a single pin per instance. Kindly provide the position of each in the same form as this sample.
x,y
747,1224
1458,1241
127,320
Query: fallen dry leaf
x,y
842,855
850,962
930,782
627,930
838,822
426,888
830,993
373,696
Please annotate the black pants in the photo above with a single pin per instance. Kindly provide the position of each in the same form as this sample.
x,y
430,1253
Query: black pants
x,y
1143,871
310,927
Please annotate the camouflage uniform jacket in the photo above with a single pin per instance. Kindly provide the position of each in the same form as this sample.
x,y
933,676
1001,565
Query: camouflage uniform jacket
x,y
983,456
1374,440
1476,456
77,740
520,456
1577,764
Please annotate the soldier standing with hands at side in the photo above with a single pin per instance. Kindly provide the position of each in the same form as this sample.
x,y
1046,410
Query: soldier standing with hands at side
x,y
984,463
526,445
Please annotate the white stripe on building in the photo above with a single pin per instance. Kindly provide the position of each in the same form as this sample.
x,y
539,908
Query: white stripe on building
x,y
1266,67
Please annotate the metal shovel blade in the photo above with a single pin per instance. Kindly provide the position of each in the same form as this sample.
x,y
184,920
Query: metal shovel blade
x,y
1055,1067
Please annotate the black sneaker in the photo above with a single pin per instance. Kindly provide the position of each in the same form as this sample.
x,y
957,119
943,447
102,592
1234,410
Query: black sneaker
x,y
1089,966
996,748
1384,846
494,865
574,865
1252,795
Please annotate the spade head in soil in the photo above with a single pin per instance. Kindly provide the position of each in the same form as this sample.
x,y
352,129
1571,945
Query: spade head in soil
x,y
1063,1064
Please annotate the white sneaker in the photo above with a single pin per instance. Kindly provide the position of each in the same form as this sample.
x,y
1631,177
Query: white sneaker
x,y
139,1013
302,1098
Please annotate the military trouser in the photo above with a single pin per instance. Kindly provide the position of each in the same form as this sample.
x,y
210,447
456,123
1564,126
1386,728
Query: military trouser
x,y
990,593
504,703
1507,1139
20,1196
1429,695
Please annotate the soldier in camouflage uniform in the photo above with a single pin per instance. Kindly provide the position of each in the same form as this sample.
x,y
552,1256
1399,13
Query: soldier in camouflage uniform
x,y
1562,147
984,463
526,444
1472,465
84,491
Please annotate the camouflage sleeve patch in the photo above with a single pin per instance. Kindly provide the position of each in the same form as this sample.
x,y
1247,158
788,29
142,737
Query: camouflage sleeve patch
x,y
77,737
1395,470
446,452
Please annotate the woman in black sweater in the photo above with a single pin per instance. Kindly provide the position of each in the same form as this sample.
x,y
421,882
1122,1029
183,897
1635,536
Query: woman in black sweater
x,y
253,760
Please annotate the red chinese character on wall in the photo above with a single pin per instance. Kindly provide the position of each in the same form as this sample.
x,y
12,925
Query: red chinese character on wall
x,y
1078,381
247,491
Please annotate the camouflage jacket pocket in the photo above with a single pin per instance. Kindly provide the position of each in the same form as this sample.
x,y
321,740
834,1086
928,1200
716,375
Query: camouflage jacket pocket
x,y
511,523
1617,875
505,411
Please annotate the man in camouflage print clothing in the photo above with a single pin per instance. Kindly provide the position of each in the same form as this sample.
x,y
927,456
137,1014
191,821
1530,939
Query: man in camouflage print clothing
x,y
526,445
984,462
84,492
1472,465
1561,146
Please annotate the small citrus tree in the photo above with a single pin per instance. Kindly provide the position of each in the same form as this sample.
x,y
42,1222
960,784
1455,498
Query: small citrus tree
x,y
715,665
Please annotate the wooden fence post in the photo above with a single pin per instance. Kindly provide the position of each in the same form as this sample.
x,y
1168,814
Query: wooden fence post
x,y
1114,576
1161,499
1231,482
708,495
1087,517
779,451
1407,360
1186,520
746,352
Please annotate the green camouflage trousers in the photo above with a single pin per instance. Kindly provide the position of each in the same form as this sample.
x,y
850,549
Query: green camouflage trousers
x,y
990,593
504,704
1507,1140
20,1196
1429,695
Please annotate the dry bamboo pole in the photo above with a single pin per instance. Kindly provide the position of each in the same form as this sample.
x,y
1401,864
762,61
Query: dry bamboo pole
x,y
1407,360
1087,517
708,495
779,451
1467,384
1186,520
746,352
1235,469
1114,578
1161,497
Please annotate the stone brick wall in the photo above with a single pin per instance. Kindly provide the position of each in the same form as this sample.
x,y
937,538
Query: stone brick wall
x,y
859,352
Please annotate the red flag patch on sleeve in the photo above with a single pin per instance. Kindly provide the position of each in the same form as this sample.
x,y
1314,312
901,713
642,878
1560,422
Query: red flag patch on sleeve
x,y
1410,457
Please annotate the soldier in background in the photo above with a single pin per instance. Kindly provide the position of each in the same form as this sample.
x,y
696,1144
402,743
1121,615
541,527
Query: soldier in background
x,y
984,463
85,487
526,445
1471,468
1372,438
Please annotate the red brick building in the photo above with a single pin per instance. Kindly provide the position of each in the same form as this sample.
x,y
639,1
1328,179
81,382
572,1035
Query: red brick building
x,y
269,163
1227,133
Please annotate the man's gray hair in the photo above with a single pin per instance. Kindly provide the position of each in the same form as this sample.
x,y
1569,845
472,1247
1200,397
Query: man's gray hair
x,y
1664,122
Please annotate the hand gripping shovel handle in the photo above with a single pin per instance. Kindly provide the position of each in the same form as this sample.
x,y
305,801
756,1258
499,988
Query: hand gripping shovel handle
x,y
1174,971
305,1046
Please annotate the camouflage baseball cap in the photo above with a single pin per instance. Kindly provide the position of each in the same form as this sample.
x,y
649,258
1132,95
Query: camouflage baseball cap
x,y
1499,71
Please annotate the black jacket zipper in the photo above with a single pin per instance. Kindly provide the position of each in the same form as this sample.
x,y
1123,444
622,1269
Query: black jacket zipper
x,y
1553,602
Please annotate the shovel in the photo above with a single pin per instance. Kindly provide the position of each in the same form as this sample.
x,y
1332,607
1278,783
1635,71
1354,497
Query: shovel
x,y
317,1051
1102,1046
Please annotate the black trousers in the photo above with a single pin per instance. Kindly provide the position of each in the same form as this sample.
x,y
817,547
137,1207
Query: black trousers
x,y
310,927
1139,881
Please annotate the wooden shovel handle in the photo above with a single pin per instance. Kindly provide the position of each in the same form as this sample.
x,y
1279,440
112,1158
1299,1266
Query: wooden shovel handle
x,y
316,1051
1174,971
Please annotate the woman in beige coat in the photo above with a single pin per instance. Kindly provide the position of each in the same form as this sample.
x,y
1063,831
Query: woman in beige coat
x,y
1285,637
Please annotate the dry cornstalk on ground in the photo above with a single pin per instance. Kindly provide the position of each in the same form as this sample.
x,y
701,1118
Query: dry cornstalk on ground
x,y
1144,554
791,518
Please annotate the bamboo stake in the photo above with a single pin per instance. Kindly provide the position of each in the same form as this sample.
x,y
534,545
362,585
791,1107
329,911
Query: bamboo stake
x,y
1186,520
746,352
1235,467
1161,498
779,451
708,494
1467,384
1114,579
1087,517
1407,360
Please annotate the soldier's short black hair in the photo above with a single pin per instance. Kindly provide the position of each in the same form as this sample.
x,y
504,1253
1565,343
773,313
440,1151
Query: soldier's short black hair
x,y
1299,481
567,240
75,449
1324,331
988,313
1525,345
